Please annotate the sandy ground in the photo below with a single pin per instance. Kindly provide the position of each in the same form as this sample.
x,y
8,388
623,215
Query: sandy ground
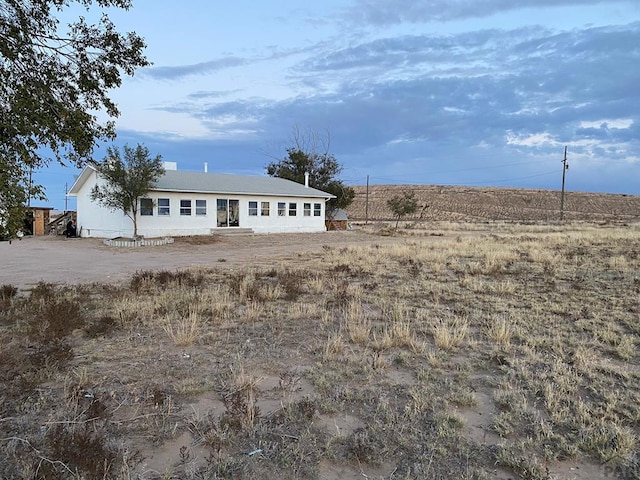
x,y
50,259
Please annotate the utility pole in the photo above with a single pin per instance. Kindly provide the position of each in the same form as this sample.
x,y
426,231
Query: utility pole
x,y
565,167
366,205
66,196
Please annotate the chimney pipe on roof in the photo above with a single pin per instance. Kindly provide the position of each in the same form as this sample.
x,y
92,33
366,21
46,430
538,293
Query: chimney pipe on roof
x,y
206,167
306,179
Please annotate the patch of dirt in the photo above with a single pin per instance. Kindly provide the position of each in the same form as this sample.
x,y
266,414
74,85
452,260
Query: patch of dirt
x,y
331,471
477,420
571,470
339,425
399,376
274,392
173,456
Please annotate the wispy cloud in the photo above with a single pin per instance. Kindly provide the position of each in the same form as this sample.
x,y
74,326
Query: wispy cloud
x,y
204,68
211,95
389,12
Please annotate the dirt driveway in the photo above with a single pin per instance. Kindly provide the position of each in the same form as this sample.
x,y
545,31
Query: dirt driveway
x,y
26,262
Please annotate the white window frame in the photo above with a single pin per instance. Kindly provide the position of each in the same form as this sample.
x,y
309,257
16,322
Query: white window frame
x,y
164,210
185,207
201,207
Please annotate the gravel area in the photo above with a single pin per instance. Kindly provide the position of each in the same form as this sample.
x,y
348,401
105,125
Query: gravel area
x,y
24,263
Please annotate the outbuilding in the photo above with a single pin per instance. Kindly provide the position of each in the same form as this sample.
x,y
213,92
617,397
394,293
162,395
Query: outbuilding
x,y
36,221
201,203
337,220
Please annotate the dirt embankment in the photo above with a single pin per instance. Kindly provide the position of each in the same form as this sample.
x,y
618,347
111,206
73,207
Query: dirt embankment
x,y
450,203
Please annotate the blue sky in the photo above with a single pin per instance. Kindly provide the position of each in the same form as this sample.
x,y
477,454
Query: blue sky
x,y
447,92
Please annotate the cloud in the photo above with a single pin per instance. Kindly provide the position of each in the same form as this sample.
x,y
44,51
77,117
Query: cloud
x,y
178,72
522,93
203,68
390,12
213,94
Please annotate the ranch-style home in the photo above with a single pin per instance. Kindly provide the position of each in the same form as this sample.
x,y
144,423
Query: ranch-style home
x,y
200,203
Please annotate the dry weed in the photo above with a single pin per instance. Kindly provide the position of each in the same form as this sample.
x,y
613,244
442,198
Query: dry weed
x,y
500,329
183,330
333,347
449,334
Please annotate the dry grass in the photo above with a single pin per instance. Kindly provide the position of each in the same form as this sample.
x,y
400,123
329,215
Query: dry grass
x,y
449,334
489,346
183,331
501,329
469,205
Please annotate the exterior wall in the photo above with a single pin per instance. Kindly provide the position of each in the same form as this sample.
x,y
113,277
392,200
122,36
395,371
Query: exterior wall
x,y
96,221
336,224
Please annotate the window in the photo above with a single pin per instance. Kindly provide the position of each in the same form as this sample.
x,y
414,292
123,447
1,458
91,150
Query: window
x,y
185,207
163,206
317,209
253,209
201,207
307,209
292,209
282,209
264,209
146,206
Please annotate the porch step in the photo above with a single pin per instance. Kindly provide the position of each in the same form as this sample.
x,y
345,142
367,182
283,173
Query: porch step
x,y
232,231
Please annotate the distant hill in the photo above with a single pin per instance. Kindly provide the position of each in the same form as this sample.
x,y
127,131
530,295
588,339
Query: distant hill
x,y
449,203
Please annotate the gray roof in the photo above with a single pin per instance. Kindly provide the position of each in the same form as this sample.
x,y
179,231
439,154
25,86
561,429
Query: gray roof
x,y
339,215
200,182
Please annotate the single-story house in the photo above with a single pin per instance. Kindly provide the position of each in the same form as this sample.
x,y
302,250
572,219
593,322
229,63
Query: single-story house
x,y
201,203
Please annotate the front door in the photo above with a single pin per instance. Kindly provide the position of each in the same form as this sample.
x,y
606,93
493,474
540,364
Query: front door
x,y
228,212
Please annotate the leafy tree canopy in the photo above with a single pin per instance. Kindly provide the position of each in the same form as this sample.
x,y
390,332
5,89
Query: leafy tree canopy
x,y
126,180
12,200
402,205
322,167
54,81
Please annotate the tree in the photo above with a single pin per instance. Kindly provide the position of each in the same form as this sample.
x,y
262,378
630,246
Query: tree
x,y
53,84
12,201
310,154
127,181
402,205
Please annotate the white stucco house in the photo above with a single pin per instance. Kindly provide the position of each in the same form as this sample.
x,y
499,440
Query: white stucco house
x,y
200,203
